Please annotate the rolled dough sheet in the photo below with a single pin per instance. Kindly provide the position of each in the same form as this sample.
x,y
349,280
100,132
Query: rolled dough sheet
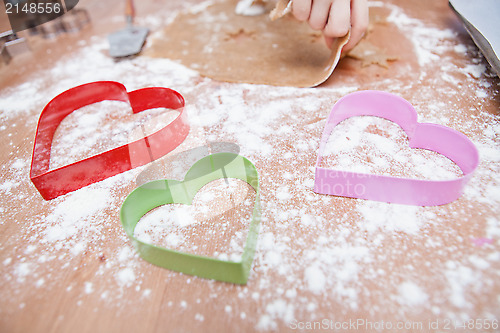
x,y
253,49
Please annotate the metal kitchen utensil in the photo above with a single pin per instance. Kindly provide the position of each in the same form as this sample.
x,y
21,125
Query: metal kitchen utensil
x,y
128,41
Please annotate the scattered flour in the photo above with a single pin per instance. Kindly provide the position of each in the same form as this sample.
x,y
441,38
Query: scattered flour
x,y
315,279
377,216
312,255
89,288
429,42
411,294
248,8
126,276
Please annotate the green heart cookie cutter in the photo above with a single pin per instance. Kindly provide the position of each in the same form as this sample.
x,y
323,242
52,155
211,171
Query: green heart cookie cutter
x,y
163,192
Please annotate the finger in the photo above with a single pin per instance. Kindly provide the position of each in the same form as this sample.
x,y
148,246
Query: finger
x,y
359,22
301,9
339,20
319,14
329,41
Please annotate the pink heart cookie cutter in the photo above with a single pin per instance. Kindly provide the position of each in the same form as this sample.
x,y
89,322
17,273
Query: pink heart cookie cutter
x,y
71,177
441,139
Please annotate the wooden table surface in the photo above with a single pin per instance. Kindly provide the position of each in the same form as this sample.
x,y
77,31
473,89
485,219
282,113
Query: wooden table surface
x,y
322,262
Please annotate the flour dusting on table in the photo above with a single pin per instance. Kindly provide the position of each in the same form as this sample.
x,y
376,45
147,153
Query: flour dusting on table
x,y
315,252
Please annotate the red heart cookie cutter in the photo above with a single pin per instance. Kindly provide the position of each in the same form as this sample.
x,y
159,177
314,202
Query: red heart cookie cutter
x,y
71,177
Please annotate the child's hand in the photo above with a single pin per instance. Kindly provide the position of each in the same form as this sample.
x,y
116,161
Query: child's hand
x,y
334,18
